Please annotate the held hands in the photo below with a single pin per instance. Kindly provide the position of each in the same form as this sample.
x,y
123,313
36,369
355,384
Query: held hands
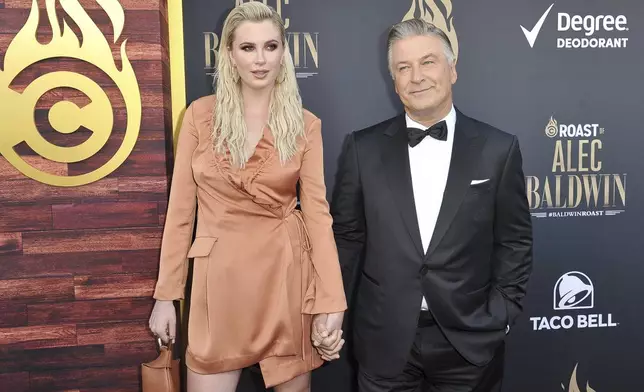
x,y
326,334
163,321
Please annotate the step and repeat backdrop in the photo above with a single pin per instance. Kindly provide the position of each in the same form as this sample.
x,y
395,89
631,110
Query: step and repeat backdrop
x,y
566,78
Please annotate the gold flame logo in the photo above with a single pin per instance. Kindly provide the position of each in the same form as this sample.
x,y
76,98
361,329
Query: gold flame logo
x,y
17,122
430,11
573,386
552,128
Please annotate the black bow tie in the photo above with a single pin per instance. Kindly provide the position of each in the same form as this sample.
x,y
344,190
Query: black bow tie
x,y
438,131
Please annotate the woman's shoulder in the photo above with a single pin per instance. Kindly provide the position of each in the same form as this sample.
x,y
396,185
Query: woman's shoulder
x,y
309,119
200,113
203,106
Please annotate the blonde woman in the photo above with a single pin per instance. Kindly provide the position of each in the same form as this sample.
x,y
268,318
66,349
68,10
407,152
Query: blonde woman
x,y
266,274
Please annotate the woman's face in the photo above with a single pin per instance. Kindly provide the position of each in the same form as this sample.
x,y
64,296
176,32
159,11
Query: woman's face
x,y
256,52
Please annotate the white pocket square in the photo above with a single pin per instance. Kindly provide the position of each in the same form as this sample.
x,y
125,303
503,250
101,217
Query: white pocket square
x,y
476,182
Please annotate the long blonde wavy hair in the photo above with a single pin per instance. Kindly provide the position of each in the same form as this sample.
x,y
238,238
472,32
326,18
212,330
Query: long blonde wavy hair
x,y
286,118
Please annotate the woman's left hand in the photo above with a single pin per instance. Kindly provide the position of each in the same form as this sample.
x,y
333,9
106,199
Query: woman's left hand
x,y
326,334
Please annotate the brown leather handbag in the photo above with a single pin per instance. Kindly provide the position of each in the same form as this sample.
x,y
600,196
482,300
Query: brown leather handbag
x,y
162,374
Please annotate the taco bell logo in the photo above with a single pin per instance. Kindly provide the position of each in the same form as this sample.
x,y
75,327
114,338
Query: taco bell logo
x,y
574,290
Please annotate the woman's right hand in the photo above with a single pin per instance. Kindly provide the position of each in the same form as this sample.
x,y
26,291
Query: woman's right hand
x,y
163,321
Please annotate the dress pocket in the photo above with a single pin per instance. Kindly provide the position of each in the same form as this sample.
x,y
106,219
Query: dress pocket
x,y
199,329
201,247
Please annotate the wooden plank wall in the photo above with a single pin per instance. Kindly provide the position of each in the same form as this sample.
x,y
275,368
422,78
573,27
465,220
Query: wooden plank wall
x,y
78,265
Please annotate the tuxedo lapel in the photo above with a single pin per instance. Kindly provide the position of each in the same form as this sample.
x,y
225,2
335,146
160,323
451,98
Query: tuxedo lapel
x,y
465,155
395,157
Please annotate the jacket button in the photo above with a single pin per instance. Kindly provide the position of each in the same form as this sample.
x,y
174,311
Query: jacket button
x,y
424,269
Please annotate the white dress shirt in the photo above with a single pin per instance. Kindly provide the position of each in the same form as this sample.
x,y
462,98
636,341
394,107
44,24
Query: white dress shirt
x,y
429,163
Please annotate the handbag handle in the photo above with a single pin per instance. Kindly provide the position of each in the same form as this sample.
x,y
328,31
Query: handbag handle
x,y
161,345
165,352
163,373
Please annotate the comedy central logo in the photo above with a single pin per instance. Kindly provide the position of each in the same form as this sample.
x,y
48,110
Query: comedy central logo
x,y
598,30
573,291
92,125
552,129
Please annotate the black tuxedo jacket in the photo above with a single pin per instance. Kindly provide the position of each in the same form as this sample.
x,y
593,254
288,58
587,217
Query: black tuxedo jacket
x,y
475,272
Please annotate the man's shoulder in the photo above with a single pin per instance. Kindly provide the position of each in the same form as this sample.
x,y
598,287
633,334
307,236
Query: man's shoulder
x,y
376,129
491,132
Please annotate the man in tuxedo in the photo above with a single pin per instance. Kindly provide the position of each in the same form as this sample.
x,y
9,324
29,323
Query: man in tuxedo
x,y
433,230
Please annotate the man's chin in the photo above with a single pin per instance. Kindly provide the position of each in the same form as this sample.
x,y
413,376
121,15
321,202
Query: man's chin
x,y
421,107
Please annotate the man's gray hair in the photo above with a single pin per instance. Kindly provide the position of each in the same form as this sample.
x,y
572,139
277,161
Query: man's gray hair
x,y
413,28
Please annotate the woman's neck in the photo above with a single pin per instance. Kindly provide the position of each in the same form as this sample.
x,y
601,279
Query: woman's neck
x,y
256,102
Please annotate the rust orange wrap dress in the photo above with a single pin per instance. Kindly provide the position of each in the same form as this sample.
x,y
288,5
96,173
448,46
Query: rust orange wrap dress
x,y
262,268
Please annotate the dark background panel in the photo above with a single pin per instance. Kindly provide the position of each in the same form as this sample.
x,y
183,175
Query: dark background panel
x,y
507,83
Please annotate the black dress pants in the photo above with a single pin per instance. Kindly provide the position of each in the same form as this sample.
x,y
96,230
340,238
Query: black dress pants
x,y
435,366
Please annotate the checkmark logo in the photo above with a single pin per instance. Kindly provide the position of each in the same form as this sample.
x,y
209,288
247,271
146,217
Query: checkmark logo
x,y
531,35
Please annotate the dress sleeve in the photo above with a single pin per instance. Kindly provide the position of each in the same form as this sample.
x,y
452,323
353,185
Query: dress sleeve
x,y
180,217
329,290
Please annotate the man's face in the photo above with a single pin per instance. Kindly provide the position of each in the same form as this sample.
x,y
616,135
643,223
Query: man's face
x,y
423,77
